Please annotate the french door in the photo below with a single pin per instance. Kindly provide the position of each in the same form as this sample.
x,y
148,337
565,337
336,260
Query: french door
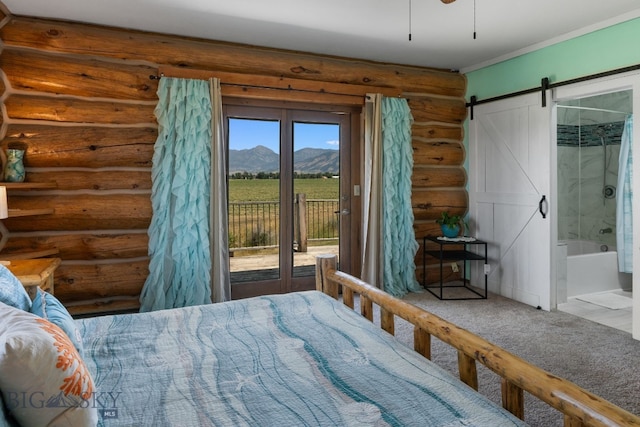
x,y
289,195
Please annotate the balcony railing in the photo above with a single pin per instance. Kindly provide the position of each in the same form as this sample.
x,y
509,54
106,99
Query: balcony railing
x,y
257,224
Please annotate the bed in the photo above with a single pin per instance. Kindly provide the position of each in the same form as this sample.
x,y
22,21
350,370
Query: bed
x,y
306,359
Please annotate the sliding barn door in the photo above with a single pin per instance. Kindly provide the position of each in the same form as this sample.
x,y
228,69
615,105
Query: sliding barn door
x,y
509,185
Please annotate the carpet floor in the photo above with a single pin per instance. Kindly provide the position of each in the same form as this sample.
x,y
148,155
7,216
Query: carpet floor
x,y
600,359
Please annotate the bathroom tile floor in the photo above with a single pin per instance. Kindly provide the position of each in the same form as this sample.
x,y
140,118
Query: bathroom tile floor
x,y
618,319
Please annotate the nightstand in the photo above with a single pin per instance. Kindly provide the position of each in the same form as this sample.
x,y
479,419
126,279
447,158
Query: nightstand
x,y
34,273
454,250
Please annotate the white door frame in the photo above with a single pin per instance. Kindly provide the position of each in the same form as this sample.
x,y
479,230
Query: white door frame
x,y
626,81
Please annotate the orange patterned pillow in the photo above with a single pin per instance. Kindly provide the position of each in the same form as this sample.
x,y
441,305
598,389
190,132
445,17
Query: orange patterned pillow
x,y
42,377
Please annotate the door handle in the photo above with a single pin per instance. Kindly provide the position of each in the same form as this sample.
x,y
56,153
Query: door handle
x,y
543,206
343,212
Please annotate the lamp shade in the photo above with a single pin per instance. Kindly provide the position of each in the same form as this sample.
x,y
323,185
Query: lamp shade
x,y
4,209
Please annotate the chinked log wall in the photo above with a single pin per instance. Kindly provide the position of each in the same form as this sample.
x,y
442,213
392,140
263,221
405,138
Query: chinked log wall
x,y
80,99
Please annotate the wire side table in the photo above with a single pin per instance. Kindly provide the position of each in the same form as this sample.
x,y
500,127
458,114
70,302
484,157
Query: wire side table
x,y
451,250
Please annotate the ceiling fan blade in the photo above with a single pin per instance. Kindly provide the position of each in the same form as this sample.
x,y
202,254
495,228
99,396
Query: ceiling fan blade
x,y
447,1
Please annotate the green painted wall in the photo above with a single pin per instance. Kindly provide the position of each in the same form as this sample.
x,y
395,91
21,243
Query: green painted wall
x,y
610,48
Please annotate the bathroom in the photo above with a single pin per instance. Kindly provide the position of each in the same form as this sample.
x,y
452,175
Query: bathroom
x,y
592,133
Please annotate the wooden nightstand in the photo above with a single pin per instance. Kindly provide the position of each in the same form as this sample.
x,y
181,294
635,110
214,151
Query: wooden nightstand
x,y
34,273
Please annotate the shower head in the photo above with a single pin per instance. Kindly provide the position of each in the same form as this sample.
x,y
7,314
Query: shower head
x,y
600,131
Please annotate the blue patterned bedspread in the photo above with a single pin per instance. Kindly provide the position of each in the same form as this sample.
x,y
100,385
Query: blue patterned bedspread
x,y
300,359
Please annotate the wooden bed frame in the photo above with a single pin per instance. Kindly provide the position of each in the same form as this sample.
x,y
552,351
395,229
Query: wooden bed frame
x,y
580,407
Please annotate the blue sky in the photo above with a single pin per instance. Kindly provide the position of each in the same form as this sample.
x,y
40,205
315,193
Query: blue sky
x,y
244,134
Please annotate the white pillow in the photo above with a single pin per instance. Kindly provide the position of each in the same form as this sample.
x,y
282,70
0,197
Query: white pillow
x,y
43,379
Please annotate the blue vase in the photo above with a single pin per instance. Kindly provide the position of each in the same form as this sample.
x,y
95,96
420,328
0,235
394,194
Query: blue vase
x,y
14,168
450,230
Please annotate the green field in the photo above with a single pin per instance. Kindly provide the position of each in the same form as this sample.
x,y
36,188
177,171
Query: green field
x,y
259,190
257,223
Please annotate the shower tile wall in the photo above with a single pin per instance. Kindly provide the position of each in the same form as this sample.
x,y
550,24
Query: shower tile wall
x,y
582,208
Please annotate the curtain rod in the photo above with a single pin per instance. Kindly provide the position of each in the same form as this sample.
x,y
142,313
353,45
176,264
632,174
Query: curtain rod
x,y
545,85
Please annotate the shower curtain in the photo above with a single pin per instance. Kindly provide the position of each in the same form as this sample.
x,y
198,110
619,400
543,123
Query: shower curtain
x,y
624,225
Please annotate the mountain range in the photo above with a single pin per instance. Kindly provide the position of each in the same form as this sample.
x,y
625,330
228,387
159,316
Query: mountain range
x,y
263,159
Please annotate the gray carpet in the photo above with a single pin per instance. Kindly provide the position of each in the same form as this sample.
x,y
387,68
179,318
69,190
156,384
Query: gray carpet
x,y
600,359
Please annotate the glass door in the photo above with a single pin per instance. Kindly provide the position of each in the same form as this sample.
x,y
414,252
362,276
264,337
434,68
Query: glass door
x,y
285,200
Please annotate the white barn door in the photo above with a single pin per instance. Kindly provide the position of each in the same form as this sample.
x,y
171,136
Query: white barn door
x,y
509,186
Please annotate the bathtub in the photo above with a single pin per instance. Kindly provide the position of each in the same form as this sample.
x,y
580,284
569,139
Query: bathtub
x,y
590,267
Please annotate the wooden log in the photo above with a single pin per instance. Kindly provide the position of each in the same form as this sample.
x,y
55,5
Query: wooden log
x,y
366,308
81,282
81,246
53,252
437,132
32,71
431,177
83,146
387,321
75,110
104,305
291,96
428,204
347,298
19,213
95,180
246,81
422,342
83,212
467,369
438,109
444,153
60,36
570,421
324,262
426,228
27,185
512,398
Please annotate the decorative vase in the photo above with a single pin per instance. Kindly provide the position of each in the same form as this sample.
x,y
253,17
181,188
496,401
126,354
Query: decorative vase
x,y
450,230
14,168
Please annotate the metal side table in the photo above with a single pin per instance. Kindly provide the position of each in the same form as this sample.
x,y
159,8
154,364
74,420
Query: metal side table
x,y
452,250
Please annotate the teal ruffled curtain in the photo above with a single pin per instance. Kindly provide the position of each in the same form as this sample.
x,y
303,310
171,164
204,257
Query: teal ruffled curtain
x,y
624,212
400,245
180,261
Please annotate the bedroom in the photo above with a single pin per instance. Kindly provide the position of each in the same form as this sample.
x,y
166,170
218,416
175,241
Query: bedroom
x,y
101,197
101,202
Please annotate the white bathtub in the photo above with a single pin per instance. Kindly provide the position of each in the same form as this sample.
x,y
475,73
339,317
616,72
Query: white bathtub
x,y
589,269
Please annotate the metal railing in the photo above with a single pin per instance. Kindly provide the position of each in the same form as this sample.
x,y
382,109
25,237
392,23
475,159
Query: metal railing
x,y
257,224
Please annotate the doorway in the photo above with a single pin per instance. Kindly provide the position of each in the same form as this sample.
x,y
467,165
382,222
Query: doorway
x,y
593,143
288,194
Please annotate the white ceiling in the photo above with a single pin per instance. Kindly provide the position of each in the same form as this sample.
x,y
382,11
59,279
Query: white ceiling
x,y
442,35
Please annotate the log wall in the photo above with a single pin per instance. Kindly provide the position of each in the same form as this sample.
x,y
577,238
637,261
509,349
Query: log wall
x,y
78,97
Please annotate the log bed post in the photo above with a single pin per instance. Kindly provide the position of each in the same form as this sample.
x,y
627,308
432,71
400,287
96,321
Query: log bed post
x,y
579,407
324,264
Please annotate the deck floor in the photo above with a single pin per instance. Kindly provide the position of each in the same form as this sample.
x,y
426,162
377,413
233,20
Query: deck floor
x,y
265,266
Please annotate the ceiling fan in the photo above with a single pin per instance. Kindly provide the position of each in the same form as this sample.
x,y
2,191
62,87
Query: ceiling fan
x,y
447,1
